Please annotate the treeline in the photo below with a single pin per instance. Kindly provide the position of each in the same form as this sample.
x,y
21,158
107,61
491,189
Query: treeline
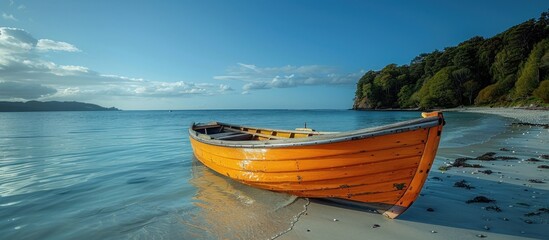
x,y
509,68
36,106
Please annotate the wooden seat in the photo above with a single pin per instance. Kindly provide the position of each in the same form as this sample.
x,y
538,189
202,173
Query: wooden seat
x,y
220,135
235,136
254,134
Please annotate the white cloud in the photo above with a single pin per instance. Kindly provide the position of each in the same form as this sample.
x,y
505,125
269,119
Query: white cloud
x,y
225,88
9,17
122,77
249,66
255,85
74,68
50,45
68,70
167,89
286,76
16,39
24,74
229,77
21,7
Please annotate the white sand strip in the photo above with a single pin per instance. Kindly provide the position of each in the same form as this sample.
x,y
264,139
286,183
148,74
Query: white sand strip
x,y
522,115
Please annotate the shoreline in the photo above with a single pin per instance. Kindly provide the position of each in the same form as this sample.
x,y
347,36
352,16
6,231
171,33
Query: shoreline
x,y
441,212
530,115
524,115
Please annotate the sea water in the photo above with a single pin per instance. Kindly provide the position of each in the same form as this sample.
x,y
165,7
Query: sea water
x,y
132,174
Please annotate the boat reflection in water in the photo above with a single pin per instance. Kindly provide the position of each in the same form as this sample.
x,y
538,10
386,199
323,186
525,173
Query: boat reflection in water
x,y
227,209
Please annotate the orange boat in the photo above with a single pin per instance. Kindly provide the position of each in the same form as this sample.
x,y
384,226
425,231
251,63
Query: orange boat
x,y
383,167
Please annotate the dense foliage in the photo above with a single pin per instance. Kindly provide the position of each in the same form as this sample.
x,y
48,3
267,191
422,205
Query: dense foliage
x,y
511,67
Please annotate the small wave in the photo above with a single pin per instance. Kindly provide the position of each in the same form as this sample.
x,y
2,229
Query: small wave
x,y
465,129
296,218
232,210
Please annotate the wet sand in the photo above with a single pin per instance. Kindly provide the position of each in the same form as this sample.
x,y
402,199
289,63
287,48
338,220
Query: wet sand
x,y
519,114
511,174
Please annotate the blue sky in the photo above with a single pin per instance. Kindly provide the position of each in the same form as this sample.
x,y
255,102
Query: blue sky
x,y
226,54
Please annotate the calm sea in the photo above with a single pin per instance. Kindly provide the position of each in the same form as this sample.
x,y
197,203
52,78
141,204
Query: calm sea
x,y
132,174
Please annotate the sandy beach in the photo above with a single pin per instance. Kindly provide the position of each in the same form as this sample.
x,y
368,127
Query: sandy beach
x,y
519,114
503,196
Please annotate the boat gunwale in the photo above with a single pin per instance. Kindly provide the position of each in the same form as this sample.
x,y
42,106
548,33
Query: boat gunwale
x,y
319,137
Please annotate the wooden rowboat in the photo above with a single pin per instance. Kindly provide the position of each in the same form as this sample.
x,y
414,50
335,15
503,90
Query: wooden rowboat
x,y
384,167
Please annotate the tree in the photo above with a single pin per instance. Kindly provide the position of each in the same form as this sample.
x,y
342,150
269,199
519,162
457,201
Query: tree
x,y
445,59
544,65
529,74
486,57
358,92
466,53
470,89
506,64
368,77
439,91
495,92
518,41
430,61
459,77
387,81
404,97
487,95
542,91
417,66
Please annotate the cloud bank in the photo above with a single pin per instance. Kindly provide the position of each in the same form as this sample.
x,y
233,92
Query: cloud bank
x,y
25,75
287,76
50,45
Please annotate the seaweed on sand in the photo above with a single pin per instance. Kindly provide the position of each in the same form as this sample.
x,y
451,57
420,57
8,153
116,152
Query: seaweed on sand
x,y
489,156
480,199
537,213
493,208
462,162
463,184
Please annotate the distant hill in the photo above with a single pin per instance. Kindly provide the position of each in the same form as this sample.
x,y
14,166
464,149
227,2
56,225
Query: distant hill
x,y
509,69
36,106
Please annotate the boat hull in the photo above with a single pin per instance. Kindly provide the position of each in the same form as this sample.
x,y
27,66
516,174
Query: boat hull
x,y
386,171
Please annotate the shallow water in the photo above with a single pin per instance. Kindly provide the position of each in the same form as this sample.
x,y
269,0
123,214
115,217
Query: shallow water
x,y
132,174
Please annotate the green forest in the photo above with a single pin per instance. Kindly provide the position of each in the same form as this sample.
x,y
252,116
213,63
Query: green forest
x,y
509,69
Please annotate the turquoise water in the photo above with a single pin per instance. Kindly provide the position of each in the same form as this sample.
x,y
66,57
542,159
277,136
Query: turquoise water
x,y
132,174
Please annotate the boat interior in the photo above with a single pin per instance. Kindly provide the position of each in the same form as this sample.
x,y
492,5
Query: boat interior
x,y
227,132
